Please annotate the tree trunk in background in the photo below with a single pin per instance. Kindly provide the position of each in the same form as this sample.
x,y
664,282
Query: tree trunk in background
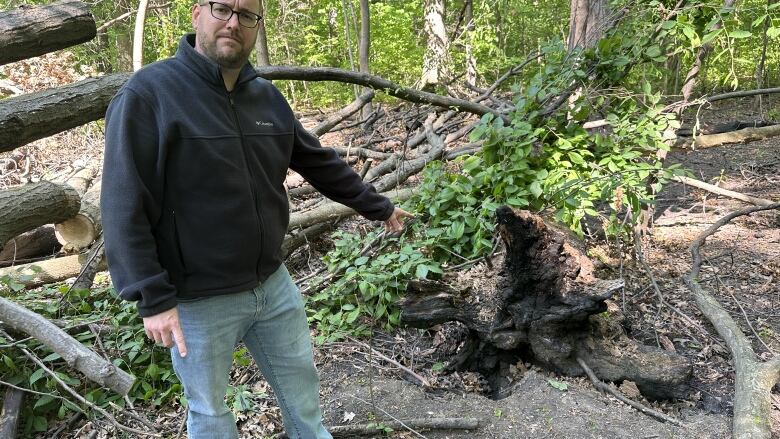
x,y
471,62
261,46
435,55
587,22
760,68
30,31
348,40
693,74
138,35
364,49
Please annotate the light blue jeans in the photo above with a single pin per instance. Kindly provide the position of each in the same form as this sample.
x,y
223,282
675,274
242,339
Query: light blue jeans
x,y
271,322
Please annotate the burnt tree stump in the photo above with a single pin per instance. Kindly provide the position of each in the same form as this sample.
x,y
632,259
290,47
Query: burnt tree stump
x,y
541,301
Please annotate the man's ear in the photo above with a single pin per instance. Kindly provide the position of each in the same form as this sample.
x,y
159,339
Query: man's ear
x,y
195,15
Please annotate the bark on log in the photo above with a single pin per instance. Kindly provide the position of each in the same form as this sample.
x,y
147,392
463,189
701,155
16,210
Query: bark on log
x,y
739,136
75,354
332,210
26,118
37,242
81,230
35,274
754,379
720,191
33,205
9,418
725,127
27,31
544,299
377,83
342,114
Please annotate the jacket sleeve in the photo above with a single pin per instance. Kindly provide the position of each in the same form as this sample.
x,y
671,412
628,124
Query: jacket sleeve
x,y
330,175
130,200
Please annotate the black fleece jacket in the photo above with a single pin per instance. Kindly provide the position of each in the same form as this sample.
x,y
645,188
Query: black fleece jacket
x,y
193,203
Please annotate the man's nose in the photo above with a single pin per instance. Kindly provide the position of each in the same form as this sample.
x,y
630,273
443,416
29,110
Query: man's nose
x,y
231,23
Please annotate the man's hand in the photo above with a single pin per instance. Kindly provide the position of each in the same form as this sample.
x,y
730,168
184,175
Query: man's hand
x,y
395,223
164,329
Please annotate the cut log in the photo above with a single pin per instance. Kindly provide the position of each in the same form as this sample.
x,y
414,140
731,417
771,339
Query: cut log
x,y
27,207
542,302
48,271
27,31
35,243
81,230
739,136
9,418
26,118
75,354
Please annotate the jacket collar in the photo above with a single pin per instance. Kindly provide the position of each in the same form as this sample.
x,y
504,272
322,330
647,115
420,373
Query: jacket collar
x,y
205,67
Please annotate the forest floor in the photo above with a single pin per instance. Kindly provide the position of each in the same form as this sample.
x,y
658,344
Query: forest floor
x,y
742,269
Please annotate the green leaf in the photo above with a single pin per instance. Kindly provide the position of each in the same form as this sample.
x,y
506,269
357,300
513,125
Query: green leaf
x,y
39,423
421,272
53,356
773,32
351,317
42,401
536,189
738,34
653,51
558,385
38,374
361,261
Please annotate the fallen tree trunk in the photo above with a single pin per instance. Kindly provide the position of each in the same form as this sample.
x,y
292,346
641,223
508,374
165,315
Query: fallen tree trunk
x,y
81,230
725,127
377,83
739,136
542,297
332,210
720,191
342,114
29,117
9,417
754,379
27,31
37,242
33,205
75,354
35,274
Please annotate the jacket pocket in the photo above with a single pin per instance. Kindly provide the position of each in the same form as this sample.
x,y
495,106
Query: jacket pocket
x,y
177,242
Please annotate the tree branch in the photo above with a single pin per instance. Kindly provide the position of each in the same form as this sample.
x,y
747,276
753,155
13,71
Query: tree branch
x,y
377,83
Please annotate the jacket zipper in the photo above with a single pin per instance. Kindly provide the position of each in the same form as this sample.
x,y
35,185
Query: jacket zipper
x,y
252,187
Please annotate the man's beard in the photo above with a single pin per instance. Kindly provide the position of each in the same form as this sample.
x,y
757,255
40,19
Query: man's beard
x,y
230,59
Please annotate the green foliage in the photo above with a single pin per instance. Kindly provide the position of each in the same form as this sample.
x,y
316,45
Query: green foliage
x,y
541,159
156,383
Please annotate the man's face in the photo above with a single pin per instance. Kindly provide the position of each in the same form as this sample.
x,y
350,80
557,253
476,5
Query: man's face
x,y
225,42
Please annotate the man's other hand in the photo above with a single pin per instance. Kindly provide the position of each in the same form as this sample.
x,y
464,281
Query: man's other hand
x,y
395,223
164,329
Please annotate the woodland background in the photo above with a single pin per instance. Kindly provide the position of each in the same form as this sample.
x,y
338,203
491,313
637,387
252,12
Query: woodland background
x,y
582,101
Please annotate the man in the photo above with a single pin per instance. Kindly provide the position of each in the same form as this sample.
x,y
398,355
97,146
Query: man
x,y
194,214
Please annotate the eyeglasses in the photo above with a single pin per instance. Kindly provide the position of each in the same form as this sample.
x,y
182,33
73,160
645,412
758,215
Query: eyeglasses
x,y
223,12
